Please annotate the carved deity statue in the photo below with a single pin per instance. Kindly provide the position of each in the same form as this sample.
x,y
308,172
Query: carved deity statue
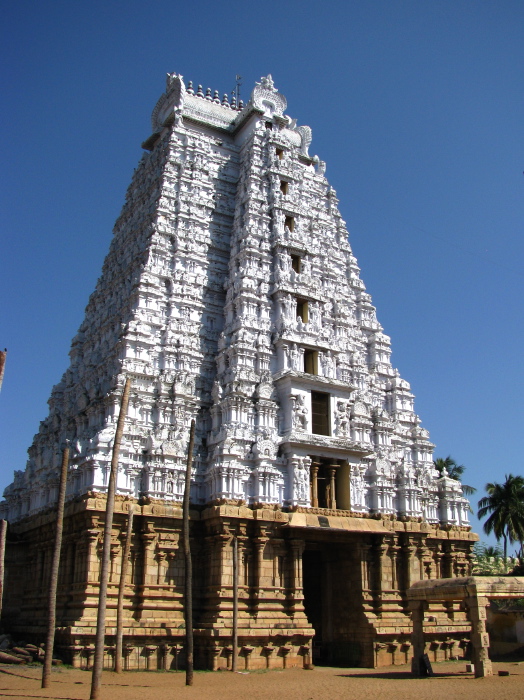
x,y
300,413
342,419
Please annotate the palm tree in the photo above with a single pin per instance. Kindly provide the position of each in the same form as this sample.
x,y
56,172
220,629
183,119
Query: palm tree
x,y
490,551
454,471
504,506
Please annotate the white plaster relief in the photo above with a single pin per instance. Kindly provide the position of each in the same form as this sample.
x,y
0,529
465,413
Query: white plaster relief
x,y
197,302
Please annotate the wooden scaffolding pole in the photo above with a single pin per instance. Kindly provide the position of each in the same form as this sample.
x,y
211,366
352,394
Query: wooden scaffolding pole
x,y
235,604
104,568
3,533
121,589
188,576
55,564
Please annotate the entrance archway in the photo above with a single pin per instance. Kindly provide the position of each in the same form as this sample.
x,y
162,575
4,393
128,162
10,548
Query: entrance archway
x,y
332,603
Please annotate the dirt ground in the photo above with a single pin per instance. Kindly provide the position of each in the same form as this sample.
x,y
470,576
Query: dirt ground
x,y
451,682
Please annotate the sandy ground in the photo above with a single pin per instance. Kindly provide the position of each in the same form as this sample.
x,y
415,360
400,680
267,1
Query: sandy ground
x,y
451,682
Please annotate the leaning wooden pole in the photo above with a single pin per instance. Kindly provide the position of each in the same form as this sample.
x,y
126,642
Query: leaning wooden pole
x,y
121,589
3,533
235,605
106,551
188,578
55,564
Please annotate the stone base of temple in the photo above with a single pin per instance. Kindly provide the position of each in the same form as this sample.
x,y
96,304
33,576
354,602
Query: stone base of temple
x,y
313,587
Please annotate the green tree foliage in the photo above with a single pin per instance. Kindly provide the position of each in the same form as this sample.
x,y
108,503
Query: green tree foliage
x,y
488,561
504,509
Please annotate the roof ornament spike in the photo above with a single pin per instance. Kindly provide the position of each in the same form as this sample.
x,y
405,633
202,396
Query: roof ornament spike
x,y
208,95
238,85
200,92
225,100
216,97
190,90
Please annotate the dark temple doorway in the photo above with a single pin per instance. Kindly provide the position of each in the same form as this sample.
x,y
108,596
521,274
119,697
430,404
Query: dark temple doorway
x,y
330,602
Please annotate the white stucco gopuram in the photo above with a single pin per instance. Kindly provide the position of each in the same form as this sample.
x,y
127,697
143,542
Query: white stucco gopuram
x,y
230,294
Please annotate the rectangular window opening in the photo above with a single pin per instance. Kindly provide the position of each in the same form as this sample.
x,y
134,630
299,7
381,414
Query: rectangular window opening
x,y
279,152
311,361
289,223
302,310
284,186
320,413
269,126
296,263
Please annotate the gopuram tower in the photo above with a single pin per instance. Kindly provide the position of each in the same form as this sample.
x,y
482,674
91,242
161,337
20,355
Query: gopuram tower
x,y
230,294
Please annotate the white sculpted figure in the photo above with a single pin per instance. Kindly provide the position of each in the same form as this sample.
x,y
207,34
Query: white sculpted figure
x,y
300,482
294,357
300,414
342,419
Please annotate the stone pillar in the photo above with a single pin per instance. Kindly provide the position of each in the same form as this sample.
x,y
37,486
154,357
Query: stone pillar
x,y
89,652
277,551
476,607
268,650
127,650
332,486
447,561
438,555
164,651
284,651
161,558
148,653
222,563
243,558
109,657
367,595
260,543
408,551
420,554
246,653
90,573
175,650
214,653
315,466
170,575
297,593
113,555
394,550
75,652
148,577
72,563
417,607
209,556
380,552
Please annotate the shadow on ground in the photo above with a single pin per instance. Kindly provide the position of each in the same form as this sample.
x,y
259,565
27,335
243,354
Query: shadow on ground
x,y
404,675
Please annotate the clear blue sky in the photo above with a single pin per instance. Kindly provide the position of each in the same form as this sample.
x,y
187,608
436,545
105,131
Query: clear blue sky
x,y
418,109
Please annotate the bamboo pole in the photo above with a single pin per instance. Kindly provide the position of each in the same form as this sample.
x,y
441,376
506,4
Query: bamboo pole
x,y
3,533
104,568
188,576
55,563
121,588
235,604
